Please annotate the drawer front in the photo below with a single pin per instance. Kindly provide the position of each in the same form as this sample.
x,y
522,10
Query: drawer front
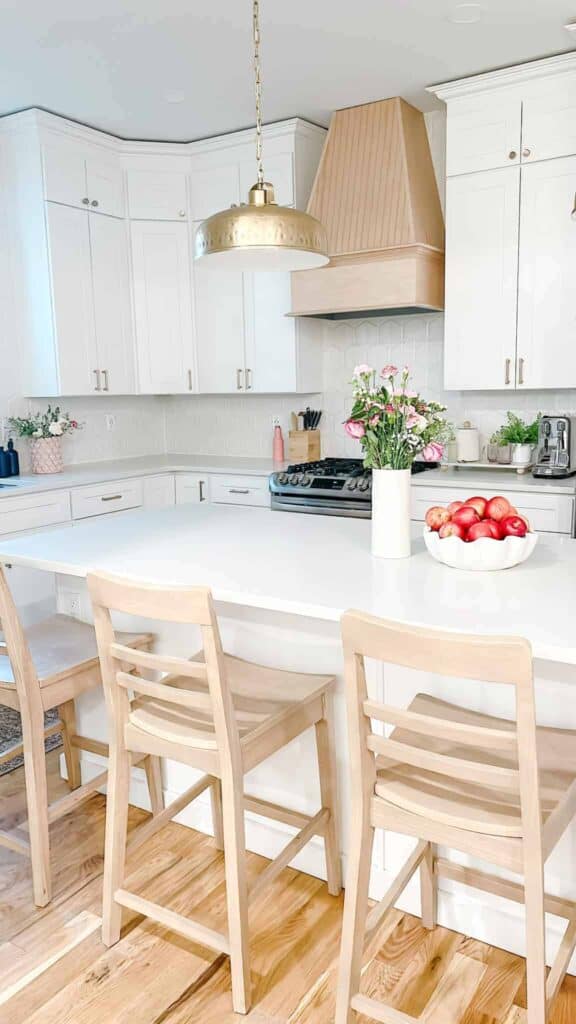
x,y
192,488
34,511
548,513
104,498
240,490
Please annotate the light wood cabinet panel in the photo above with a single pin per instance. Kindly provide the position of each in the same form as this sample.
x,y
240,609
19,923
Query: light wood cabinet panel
x,y
483,132
112,314
481,279
162,307
72,298
157,195
547,296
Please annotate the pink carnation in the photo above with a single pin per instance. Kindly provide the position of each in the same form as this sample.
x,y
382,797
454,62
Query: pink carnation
x,y
354,429
433,452
389,370
363,368
374,419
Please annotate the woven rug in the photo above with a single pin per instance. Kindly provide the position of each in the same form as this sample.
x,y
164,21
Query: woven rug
x,y
11,733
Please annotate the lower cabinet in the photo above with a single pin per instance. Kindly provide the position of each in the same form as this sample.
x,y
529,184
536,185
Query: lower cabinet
x,y
548,513
158,491
240,490
192,488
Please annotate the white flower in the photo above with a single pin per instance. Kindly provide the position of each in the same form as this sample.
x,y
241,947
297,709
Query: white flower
x,y
37,433
55,429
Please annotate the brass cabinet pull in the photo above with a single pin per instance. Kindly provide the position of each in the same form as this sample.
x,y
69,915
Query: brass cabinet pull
x,y
105,385
526,151
94,203
520,371
189,380
238,380
86,201
248,380
97,386
239,490
201,490
573,214
507,372
512,154
111,497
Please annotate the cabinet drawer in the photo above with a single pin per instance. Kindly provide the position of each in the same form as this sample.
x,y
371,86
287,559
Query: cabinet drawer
x,y
240,490
192,488
548,513
33,511
103,498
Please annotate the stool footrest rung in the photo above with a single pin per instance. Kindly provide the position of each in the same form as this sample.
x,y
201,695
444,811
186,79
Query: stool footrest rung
x,y
192,930
384,1014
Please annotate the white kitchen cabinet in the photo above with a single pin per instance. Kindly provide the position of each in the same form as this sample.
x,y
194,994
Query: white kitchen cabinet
x,y
483,132
162,307
481,279
82,176
112,314
240,490
215,188
548,513
547,296
219,330
156,194
158,491
102,499
282,353
192,488
549,120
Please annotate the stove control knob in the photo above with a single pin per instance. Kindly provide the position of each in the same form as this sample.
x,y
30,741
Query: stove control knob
x,y
305,480
351,485
295,478
282,478
363,485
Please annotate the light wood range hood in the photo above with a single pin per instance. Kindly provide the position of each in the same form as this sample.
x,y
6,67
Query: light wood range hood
x,y
376,194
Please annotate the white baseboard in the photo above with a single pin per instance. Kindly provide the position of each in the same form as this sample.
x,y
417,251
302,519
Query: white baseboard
x,y
488,919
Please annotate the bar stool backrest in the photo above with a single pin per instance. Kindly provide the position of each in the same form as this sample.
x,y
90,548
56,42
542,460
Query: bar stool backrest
x,y
17,650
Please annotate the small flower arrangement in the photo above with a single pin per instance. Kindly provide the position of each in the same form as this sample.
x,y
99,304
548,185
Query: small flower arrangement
x,y
392,423
52,423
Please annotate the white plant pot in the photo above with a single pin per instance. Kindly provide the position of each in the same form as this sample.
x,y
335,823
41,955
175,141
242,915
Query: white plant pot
x,y
391,513
521,454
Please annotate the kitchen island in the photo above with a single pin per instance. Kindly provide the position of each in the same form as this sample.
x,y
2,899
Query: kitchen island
x,y
281,582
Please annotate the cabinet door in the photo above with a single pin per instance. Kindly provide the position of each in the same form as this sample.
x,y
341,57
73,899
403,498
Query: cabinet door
x,y
157,195
72,298
549,119
162,306
483,132
271,356
158,491
192,488
64,173
219,312
279,170
547,296
112,314
105,184
481,279
214,189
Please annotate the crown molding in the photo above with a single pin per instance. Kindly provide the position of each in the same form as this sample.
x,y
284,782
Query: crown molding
x,y
548,67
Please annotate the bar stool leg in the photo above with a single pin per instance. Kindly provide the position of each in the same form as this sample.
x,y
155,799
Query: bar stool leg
x,y
67,713
535,943
236,893
37,801
354,923
429,889
116,836
325,745
216,802
153,769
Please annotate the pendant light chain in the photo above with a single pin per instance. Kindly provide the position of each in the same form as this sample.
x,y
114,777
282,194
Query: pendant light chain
x,y
258,88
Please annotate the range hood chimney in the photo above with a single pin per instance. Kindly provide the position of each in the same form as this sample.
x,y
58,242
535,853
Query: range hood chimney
x,y
376,194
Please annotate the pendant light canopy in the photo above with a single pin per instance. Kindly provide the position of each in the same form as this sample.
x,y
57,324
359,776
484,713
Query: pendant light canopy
x,y
261,235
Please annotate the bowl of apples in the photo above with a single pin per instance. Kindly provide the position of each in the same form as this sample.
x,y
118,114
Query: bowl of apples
x,y
479,534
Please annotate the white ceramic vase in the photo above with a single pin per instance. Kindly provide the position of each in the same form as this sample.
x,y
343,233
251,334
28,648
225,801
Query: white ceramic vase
x,y
46,455
391,513
521,454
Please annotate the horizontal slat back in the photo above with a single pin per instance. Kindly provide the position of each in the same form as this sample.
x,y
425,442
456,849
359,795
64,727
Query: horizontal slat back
x,y
478,772
442,728
195,699
159,662
151,601
490,659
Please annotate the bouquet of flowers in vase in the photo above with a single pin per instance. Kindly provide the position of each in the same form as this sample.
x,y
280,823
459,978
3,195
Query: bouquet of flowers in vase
x,y
393,423
52,423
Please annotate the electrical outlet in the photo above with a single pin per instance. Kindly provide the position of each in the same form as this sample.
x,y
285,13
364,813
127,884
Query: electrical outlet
x,y
275,421
110,422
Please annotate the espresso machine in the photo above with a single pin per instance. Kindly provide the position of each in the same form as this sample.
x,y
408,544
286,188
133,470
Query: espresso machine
x,y
556,454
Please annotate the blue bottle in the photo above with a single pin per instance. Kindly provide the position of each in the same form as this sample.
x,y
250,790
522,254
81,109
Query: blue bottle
x,y
14,459
4,464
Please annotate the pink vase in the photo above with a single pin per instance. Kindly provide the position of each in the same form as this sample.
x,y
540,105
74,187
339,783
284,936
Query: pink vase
x,y
46,455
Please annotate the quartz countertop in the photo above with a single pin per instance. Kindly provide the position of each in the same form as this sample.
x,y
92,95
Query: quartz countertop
x,y
317,567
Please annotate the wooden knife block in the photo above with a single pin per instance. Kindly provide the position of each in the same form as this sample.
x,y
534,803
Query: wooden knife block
x,y
303,445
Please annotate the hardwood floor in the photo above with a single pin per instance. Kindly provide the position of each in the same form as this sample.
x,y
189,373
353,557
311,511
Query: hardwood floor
x,y
55,970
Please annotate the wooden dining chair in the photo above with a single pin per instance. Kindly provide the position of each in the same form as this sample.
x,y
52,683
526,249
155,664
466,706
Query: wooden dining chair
x,y
45,667
223,716
500,790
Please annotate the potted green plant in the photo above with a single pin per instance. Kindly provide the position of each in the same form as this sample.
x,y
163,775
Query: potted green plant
x,y
520,437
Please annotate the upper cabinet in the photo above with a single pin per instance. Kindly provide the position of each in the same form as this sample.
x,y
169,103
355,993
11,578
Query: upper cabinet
x,y
157,193
83,176
511,231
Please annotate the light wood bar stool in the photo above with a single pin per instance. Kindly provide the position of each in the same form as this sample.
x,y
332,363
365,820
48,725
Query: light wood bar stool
x,y
42,668
222,716
500,790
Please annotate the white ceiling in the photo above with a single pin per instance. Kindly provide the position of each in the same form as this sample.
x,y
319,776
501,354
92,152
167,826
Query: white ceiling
x,y
115,63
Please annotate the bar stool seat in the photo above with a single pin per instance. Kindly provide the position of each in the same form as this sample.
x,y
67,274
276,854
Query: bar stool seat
x,y
262,697
477,808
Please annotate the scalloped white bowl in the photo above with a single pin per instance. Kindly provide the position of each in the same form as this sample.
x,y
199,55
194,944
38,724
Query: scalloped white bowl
x,y
481,555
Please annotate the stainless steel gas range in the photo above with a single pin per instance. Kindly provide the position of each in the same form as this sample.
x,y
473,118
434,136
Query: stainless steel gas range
x,y
331,487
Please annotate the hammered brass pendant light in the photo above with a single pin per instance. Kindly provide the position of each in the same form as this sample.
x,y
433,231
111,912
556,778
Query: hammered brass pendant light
x,y
261,235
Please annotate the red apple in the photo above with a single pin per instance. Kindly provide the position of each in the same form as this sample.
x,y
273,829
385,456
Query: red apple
x,y
514,526
495,527
452,529
479,504
483,529
466,516
454,506
437,516
497,508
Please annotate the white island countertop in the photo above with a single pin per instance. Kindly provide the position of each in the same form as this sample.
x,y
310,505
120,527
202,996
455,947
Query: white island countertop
x,y
317,566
